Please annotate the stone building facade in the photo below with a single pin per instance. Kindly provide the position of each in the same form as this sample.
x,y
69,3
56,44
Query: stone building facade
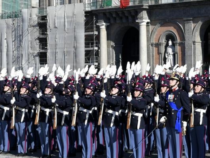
x,y
141,32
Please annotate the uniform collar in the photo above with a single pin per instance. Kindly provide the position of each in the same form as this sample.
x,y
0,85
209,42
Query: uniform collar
x,y
174,89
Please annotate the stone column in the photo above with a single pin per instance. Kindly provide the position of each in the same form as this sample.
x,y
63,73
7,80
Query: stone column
x,y
143,44
118,54
103,45
188,29
4,50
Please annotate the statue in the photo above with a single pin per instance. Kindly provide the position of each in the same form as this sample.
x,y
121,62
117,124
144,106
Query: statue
x,y
170,54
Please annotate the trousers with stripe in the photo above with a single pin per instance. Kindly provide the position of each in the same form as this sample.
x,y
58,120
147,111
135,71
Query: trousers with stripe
x,y
87,134
72,140
21,130
63,141
175,143
161,142
100,138
198,138
44,135
112,141
4,136
138,142
31,135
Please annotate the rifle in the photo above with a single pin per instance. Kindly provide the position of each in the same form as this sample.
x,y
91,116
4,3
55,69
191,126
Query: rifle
x,y
102,106
129,108
74,111
12,125
36,121
192,113
157,108
55,116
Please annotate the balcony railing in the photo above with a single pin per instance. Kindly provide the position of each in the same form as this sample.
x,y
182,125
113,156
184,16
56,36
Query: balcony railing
x,y
99,4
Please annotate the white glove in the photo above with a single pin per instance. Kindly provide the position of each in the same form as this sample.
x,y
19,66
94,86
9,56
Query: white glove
x,y
76,97
12,73
163,119
67,70
4,72
156,99
20,75
184,123
166,66
51,77
198,65
53,99
148,67
120,70
87,77
112,71
86,69
133,66
46,70
137,68
175,67
179,69
190,94
191,74
129,98
91,70
12,100
29,72
184,69
101,72
38,95
41,71
76,75
103,95
60,72
64,78
54,68
82,73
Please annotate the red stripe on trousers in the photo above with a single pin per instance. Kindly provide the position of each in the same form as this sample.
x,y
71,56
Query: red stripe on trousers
x,y
8,134
117,130
91,140
180,143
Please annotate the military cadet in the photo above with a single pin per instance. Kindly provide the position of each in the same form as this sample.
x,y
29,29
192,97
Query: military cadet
x,y
5,106
200,101
45,119
160,132
21,102
177,104
112,103
148,95
137,125
64,102
85,119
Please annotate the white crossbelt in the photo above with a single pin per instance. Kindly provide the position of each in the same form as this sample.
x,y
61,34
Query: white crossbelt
x,y
64,114
114,113
47,111
87,112
201,111
139,115
5,110
23,112
123,111
32,110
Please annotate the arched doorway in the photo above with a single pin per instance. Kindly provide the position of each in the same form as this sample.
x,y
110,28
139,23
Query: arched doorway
x,y
130,46
206,54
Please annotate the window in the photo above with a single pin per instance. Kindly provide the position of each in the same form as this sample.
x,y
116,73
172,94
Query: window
x,y
43,58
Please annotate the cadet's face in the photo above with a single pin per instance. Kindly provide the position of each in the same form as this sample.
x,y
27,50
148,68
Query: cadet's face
x,y
136,93
114,90
88,91
6,88
23,91
163,89
172,82
47,91
198,89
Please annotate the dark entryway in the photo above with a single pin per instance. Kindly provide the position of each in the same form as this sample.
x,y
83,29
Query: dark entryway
x,y
206,54
130,49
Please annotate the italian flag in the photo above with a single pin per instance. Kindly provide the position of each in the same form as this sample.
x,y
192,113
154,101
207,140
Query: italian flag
x,y
121,3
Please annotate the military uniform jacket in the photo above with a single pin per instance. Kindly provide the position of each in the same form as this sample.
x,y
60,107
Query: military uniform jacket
x,y
32,105
111,103
46,103
86,102
200,101
65,104
181,99
148,95
138,106
21,103
5,99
